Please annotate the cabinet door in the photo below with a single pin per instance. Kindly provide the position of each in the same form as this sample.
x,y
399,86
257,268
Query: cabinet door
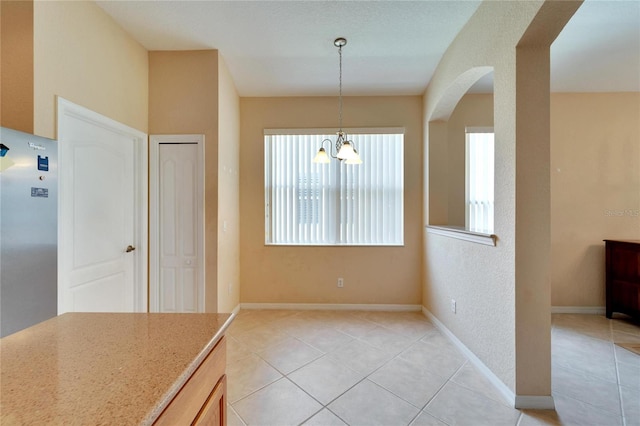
x,y
188,403
214,411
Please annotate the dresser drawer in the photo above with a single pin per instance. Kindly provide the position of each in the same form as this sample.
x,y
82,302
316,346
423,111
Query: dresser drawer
x,y
186,406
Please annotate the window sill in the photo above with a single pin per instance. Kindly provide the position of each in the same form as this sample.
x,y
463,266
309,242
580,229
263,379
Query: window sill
x,y
463,234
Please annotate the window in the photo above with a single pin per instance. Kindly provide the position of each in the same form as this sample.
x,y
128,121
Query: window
x,y
479,179
336,203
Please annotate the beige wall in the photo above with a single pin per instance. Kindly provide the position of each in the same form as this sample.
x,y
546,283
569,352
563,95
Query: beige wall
x,y
502,292
16,65
82,55
183,99
373,275
228,191
595,175
595,188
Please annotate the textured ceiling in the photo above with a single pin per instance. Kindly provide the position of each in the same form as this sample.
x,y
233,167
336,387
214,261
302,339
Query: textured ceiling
x,y
285,48
599,49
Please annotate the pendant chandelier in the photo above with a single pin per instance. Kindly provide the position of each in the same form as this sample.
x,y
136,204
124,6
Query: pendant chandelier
x,y
344,147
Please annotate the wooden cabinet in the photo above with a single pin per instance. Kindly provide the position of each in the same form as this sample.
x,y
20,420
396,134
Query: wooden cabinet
x,y
214,411
623,277
167,368
202,400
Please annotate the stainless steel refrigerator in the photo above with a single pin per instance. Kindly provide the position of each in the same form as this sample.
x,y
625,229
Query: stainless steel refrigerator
x,y
28,230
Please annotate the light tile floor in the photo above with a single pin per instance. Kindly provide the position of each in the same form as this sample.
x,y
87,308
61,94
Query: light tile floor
x,y
395,368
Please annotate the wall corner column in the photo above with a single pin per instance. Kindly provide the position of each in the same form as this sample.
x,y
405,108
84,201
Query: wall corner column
x,y
533,203
533,221
16,65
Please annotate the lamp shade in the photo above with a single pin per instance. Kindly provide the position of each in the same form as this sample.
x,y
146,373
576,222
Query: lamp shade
x,y
346,151
355,160
321,157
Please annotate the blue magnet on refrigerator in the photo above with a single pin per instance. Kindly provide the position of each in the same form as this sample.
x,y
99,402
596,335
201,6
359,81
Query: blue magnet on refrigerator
x,y
43,163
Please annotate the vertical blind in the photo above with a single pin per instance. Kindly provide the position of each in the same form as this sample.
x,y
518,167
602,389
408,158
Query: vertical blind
x,y
479,177
336,203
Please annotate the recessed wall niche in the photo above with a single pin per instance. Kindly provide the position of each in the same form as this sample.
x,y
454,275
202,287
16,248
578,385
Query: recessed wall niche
x,y
447,153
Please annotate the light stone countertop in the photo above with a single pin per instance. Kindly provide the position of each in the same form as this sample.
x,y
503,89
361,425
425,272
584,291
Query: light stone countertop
x,y
102,368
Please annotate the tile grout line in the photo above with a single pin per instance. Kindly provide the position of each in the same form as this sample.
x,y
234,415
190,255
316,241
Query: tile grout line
x,y
615,361
255,391
413,341
502,399
326,354
322,406
611,344
237,414
432,398
520,417
437,393
332,400
298,368
604,410
366,376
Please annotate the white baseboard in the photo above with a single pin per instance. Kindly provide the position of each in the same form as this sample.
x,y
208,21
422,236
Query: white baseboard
x,y
534,402
587,310
332,307
235,310
495,381
517,401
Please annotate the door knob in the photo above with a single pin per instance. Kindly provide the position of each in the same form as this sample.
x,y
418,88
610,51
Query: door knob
x,y
130,248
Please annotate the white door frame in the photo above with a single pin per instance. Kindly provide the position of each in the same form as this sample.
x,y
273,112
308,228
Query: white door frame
x,y
140,213
154,218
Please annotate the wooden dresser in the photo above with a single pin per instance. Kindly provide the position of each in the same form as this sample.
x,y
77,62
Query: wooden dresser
x,y
623,277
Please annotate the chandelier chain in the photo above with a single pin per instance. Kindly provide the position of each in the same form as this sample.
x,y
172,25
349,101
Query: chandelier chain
x,y
340,88
344,148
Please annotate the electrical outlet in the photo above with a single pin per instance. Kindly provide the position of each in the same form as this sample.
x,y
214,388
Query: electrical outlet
x,y
229,288
340,282
453,305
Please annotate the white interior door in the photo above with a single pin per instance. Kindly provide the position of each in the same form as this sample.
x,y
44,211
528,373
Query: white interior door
x,y
101,266
177,271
